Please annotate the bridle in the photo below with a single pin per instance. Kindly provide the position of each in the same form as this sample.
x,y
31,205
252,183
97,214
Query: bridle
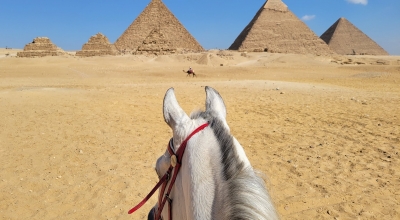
x,y
176,160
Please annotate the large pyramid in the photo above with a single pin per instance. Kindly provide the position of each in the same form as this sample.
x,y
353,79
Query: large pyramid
x,y
156,30
40,47
98,45
345,38
276,29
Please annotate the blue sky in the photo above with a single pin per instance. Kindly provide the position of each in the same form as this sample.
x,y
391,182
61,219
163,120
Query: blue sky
x,y
214,23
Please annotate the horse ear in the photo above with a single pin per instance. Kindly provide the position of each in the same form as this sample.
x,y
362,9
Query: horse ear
x,y
214,103
173,113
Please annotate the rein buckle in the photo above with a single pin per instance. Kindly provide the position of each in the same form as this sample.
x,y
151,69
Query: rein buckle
x,y
173,160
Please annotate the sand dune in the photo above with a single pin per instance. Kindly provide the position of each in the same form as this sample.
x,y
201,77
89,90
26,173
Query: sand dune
x,y
80,136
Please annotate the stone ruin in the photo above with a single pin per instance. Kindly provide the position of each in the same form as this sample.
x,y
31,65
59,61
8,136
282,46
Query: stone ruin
x,y
98,45
156,31
40,47
276,29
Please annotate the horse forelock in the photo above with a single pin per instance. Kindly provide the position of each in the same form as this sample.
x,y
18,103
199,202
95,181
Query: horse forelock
x,y
230,159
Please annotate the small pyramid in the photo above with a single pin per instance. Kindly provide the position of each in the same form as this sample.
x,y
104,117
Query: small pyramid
x,y
98,45
276,29
156,30
346,39
40,47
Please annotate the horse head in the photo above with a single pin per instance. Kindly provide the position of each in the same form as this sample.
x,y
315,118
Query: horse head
x,y
204,173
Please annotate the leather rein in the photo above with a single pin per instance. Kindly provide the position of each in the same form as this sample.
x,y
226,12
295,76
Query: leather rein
x,y
176,160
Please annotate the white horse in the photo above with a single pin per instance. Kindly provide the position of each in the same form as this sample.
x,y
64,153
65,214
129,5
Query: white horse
x,y
215,179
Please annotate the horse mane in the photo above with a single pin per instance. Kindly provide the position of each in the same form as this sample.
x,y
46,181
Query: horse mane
x,y
243,193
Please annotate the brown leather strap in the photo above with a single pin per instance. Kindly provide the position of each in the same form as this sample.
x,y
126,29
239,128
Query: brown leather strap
x,y
167,177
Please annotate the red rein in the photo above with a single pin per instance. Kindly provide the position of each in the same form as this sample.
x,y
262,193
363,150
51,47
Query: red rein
x,y
175,166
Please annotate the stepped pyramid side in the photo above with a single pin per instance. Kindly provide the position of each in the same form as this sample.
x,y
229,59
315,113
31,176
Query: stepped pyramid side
x,y
155,42
346,39
156,18
98,45
40,47
276,29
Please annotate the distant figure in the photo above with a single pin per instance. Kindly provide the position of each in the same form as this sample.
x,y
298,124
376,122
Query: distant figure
x,y
189,72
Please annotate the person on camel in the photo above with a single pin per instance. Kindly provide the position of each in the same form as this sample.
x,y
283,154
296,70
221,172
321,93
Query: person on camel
x,y
190,72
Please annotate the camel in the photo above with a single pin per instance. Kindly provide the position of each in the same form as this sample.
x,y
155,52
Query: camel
x,y
189,73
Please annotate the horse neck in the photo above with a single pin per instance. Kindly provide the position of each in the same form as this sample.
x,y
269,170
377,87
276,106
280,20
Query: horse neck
x,y
221,181
202,176
198,179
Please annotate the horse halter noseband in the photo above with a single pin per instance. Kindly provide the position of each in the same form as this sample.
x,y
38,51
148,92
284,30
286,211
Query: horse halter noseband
x,y
176,160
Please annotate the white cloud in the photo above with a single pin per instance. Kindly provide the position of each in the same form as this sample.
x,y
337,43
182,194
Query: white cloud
x,y
363,2
308,17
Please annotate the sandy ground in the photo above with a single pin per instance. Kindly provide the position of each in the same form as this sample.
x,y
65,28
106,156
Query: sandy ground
x,y
79,137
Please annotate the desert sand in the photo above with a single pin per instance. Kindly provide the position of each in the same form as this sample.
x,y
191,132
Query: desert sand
x,y
79,137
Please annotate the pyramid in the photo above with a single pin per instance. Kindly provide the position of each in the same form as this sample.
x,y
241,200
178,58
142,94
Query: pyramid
x,y
156,30
345,38
276,29
98,45
40,47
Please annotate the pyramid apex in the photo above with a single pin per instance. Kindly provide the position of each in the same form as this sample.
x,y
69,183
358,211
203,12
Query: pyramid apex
x,y
276,5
